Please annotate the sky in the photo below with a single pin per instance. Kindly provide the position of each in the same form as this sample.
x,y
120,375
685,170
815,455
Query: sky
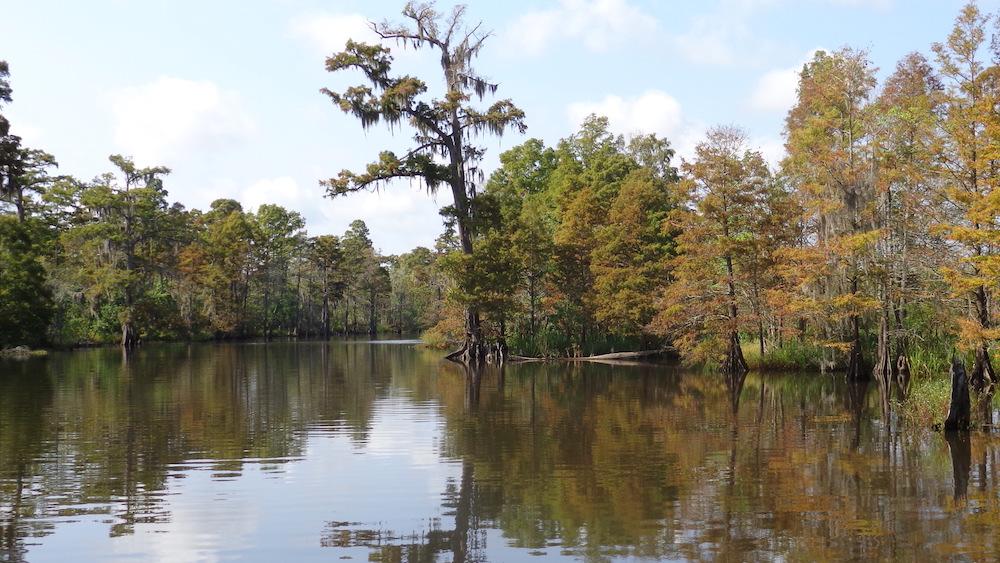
x,y
226,93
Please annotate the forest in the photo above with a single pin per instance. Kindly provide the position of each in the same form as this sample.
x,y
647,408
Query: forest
x,y
872,247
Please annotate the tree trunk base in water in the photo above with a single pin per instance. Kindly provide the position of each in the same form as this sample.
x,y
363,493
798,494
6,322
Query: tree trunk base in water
x,y
883,366
473,353
903,376
958,412
855,363
734,363
130,338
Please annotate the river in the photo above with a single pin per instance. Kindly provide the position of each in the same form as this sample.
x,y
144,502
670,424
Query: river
x,y
381,451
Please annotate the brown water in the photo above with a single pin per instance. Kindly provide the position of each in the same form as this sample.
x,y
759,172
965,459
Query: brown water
x,y
382,452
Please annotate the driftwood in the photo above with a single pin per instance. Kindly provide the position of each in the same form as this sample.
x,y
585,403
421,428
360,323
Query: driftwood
x,y
958,411
606,358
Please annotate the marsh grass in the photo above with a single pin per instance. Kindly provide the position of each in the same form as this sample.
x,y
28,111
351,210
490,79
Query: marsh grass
x,y
792,356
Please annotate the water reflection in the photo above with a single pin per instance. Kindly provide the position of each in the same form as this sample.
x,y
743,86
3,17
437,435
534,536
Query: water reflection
x,y
384,452
961,461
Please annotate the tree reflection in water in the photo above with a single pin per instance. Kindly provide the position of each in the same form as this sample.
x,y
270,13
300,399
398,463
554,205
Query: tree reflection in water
x,y
584,461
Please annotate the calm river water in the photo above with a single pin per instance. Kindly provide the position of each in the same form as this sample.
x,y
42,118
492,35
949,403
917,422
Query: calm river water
x,y
383,452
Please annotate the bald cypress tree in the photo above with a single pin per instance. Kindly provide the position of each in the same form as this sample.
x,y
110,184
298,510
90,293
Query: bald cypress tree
x,y
444,127
969,160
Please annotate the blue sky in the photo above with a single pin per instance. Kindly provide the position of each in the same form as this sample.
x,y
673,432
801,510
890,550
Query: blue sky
x,y
226,92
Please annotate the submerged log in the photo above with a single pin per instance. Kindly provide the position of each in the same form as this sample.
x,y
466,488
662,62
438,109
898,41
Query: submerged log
x,y
958,412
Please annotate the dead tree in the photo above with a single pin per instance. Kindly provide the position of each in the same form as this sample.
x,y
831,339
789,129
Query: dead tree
x,y
958,412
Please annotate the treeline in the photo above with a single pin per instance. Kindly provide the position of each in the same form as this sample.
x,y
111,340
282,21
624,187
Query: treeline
x,y
874,243
110,261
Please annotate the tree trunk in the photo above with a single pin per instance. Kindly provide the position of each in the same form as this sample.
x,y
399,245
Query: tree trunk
x,y
532,302
883,366
500,349
903,375
325,316
130,338
267,314
760,337
855,360
734,363
982,369
958,412
19,204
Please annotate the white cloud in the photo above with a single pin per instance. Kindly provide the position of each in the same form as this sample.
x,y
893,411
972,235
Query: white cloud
x,y
328,33
708,42
31,136
654,111
723,36
169,118
600,24
283,191
776,89
400,216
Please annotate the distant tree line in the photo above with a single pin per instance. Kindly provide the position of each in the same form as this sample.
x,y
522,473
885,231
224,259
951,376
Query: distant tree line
x,y
111,261
874,246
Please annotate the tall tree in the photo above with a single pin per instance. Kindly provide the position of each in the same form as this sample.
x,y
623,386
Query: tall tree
x,y
827,132
720,195
26,174
630,259
112,244
969,158
25,298
905,148
445,127
10,144
276,235
327,256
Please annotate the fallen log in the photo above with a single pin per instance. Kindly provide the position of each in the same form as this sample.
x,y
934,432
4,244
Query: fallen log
x,y
596,358
618,356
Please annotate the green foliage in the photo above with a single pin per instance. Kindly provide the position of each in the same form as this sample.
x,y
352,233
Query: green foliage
x,y
793,355
928,401
25,300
